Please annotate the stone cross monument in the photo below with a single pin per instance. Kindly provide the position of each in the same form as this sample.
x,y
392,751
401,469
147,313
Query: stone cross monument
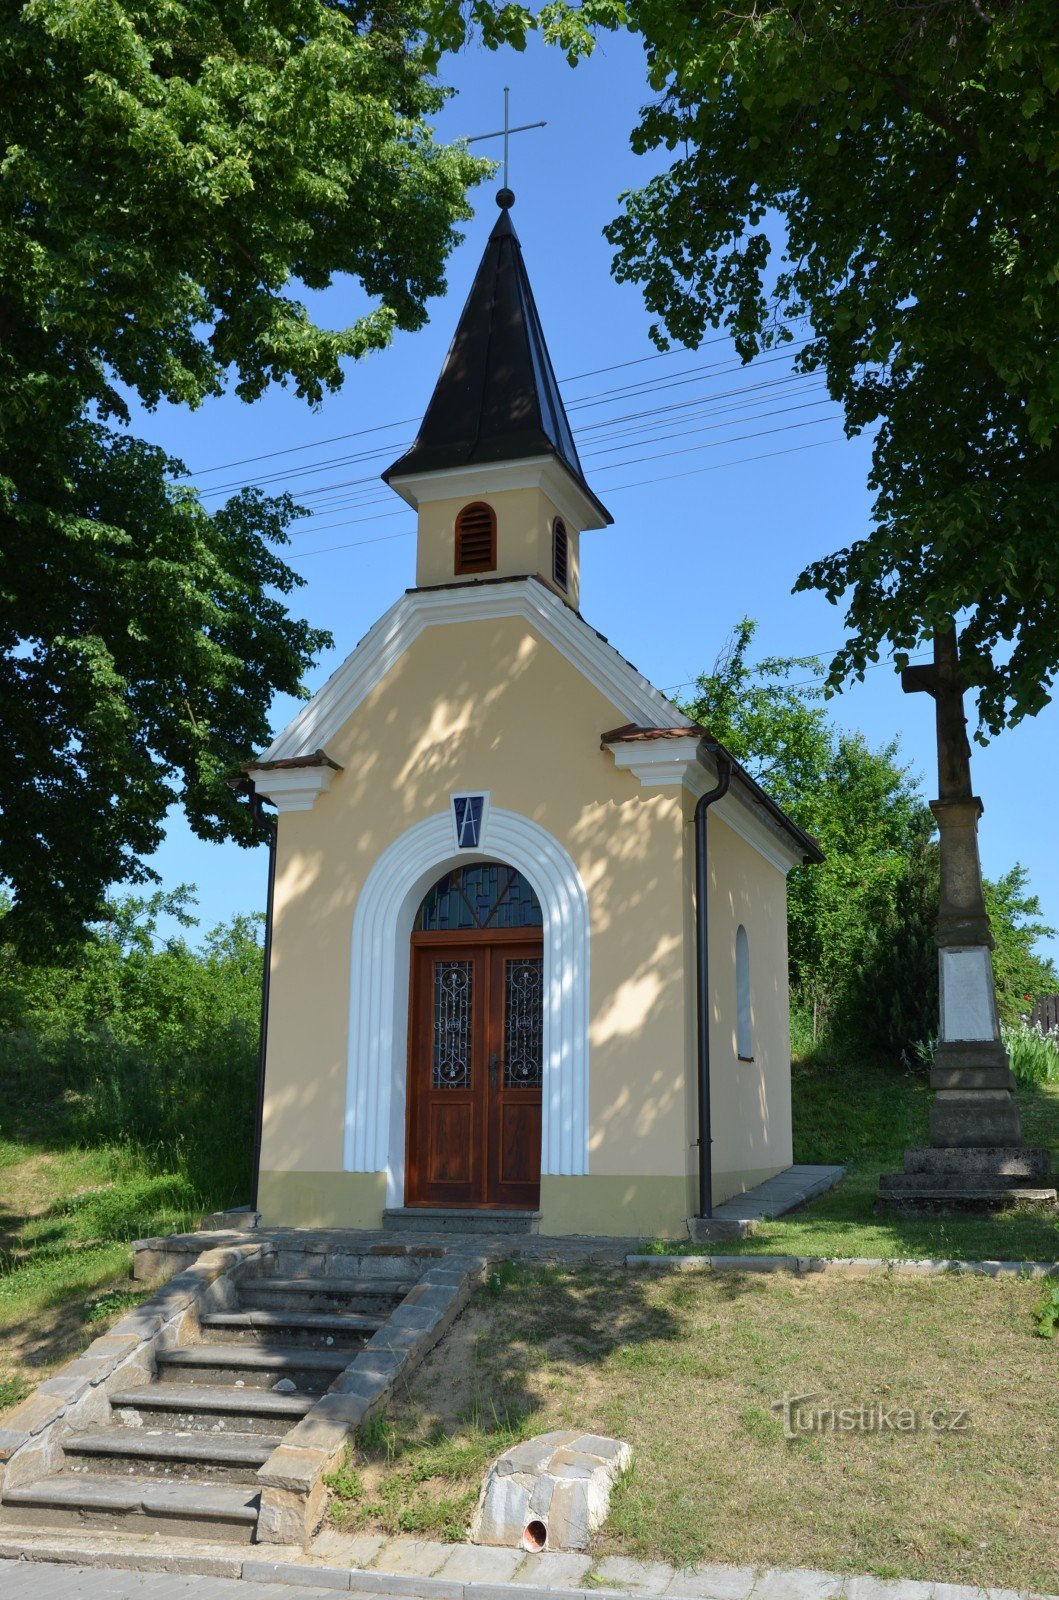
x,y
976,1159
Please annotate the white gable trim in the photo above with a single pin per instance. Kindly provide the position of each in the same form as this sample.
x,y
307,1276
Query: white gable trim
x,y
377,1071
317,723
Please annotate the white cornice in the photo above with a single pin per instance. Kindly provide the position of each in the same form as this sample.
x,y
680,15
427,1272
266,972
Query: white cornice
x,y
291,788
317,723
657,762
546,473
662,762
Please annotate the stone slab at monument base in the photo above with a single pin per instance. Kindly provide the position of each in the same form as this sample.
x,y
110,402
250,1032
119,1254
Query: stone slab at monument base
x,y
968,1178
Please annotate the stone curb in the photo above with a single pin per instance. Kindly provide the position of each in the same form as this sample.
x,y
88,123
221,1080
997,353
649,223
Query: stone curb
x,y
712,1580
842,1266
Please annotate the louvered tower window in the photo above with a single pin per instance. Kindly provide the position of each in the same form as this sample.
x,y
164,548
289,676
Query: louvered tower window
x,y
560,554
476,539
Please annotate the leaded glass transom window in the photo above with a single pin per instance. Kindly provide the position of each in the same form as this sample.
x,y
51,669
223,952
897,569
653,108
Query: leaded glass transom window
x,y
452,1024
523,1032
473,898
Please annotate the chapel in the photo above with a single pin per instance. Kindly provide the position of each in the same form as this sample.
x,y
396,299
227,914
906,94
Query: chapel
x,y
489,953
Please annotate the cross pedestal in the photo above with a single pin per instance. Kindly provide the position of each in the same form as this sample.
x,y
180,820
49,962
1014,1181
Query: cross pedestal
x,y
976,1159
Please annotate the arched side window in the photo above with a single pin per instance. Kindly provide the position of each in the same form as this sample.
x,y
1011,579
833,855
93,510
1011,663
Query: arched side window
x,y
476,539
560,554
744,1042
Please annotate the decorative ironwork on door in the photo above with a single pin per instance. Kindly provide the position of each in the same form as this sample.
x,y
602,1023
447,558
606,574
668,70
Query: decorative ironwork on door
x,y
452,1024
523,1023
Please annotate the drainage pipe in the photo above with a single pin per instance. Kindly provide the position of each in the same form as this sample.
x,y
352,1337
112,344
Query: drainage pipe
x,y
723,762
267,824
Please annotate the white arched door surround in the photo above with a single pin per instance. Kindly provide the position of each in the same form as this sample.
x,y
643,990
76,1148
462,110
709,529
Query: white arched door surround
x,y
378,1020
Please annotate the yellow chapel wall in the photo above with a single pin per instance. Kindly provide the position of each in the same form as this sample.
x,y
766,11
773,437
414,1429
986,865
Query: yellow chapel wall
x,y
487,704
750,1100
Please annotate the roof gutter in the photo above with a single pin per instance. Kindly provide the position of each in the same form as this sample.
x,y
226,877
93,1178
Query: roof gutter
x,y
724,765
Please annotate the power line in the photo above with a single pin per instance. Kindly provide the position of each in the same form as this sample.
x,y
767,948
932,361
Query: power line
x,y
358,502
717,466
741,397
626,391
407,422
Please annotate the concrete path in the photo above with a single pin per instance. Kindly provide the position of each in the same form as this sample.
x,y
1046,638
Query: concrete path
x,y
615,1576
787,1189
735,1218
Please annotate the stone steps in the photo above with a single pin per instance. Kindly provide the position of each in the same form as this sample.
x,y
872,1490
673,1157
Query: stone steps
x,y
258,1366
213,1408
213,1457
181,1454
453,1219
220,1512
368,1296
348,1330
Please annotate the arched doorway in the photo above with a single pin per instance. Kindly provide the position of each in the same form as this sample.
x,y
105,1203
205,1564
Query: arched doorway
x,y
476,1058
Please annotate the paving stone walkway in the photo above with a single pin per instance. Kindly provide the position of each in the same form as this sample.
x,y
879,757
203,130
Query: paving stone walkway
x,y
613,1577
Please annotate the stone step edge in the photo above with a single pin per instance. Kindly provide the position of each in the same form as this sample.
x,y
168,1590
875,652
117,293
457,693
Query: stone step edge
x,y
841,1265
213,1397
136,1495
253,1357
324,1285
218,1449
301,1321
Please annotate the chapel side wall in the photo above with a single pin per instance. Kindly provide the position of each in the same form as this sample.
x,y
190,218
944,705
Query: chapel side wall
x,y
750,1100
485,704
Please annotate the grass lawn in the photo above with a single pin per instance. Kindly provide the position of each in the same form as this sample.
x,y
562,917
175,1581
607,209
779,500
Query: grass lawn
x,y
67,1214
688,1372
864,1117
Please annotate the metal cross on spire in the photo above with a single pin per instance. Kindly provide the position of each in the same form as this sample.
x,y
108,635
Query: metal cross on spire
x,y
505,133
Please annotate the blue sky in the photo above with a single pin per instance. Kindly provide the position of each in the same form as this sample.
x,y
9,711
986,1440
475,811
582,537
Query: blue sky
x,y
717,506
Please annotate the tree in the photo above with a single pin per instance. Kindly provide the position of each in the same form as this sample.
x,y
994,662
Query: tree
x,y
906,156
175,178
1015,920
862,924
861,804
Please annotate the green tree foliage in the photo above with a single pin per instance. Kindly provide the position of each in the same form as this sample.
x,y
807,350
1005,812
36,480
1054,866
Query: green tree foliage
x,y
130,1038
176,177
911,154
881,179
1015,920
863,958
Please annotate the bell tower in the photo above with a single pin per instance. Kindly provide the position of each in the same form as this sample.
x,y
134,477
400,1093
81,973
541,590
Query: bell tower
x,y
494,473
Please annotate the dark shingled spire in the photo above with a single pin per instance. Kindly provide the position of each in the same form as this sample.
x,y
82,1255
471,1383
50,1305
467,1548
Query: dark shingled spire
x,y
497,398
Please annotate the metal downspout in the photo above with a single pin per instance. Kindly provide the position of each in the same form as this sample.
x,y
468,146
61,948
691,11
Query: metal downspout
x,y
702,969
268,825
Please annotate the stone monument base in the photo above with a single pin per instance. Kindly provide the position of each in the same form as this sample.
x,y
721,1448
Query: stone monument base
x,y
968,1178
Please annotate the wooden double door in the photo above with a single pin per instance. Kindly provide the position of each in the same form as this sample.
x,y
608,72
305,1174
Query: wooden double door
x,y
475,1069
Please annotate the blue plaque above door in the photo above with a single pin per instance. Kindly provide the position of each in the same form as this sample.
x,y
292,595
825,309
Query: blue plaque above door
x,y
468,815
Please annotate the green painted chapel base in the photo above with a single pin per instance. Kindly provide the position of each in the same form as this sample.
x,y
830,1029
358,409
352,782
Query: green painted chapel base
x,y
603,1205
